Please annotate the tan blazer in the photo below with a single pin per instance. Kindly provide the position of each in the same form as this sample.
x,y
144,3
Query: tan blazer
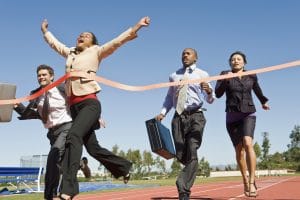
x,y
87,61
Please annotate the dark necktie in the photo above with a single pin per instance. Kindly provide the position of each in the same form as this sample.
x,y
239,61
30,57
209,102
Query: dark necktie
x,y
45,111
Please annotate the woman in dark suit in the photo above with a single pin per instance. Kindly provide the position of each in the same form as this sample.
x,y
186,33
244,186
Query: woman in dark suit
x,y
240,116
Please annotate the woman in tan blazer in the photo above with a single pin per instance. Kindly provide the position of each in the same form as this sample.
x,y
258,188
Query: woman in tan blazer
x,y
84,105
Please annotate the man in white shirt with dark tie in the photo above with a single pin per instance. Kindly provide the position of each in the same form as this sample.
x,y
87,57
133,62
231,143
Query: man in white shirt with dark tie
x,y
58,121
188,121
56,118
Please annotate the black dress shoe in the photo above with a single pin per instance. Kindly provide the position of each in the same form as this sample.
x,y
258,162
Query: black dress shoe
x,y
126,178
65,197
184,196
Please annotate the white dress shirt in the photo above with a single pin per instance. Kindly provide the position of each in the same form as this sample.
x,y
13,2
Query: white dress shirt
x,y
58,109
195,95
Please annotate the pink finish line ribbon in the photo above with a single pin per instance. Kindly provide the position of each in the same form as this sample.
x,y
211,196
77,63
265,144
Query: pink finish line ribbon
x,y
37,94
168,84
147,87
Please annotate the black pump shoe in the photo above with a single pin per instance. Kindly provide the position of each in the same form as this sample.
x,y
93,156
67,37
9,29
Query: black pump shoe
x,y
126,178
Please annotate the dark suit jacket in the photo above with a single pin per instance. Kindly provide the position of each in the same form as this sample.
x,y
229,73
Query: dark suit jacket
x,y
30,111
239,93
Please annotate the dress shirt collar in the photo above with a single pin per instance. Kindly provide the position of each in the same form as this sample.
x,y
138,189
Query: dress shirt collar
x,y
191,68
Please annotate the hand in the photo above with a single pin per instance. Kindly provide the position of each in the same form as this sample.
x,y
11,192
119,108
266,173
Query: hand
x,y
265,106
44,26
16,105
204,86
145,21
102,123
159,117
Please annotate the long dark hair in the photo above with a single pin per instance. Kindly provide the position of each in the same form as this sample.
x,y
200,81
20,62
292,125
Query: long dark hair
x,y
94,38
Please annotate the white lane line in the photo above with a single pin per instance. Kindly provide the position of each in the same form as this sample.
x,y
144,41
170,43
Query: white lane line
x,y
263,188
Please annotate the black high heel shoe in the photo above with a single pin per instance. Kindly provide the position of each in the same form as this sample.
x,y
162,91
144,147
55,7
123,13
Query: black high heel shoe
x,y
246,189
126,178
252,193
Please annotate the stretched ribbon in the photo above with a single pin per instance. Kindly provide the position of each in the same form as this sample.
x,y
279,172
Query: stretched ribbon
x,y
168,84
37,94
146,87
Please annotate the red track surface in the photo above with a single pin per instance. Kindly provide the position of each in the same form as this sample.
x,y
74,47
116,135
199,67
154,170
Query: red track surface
x,y
276,188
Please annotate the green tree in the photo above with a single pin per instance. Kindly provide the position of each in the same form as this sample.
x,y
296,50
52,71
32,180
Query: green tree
x,y
160,164
265,146
228,168
129,156
148,161
292,155
295,137
277,161
203,168
137,162
115,149
264,164
175,167
122,154
257,150
135,157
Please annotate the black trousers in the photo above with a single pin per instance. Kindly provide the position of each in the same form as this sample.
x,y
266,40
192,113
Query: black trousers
x,y
117,165
57,138
85,117
187,130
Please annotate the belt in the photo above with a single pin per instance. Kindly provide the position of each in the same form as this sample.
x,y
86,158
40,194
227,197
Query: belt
x,y
54,128
192,111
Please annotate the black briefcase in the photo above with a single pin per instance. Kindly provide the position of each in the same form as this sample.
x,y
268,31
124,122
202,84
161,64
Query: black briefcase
x,y
160,139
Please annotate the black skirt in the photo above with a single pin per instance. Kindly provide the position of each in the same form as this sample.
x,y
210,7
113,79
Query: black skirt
x,y
243,127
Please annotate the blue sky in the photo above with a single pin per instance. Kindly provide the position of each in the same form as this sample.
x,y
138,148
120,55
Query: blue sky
x,y
266,31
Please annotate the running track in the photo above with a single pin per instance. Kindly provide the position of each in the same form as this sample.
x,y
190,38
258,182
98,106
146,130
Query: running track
x,y
276,188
